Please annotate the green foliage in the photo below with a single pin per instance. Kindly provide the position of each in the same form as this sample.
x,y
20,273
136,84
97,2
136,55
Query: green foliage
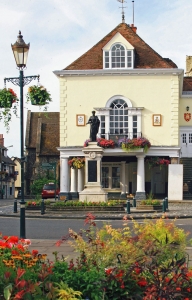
x,y
87,204
150,202
150,196
36,187
38,95
63,291
80,276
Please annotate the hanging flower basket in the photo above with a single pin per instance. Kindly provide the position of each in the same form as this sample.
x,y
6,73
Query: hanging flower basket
x,y
135,143
38,95
77,162
7,98
157,161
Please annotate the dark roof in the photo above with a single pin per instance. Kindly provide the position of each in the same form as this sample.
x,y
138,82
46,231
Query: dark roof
x,y
187,84
145,56
13,158
8,160
42,132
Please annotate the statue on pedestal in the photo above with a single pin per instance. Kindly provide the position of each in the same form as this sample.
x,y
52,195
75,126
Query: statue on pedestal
x,y
94,126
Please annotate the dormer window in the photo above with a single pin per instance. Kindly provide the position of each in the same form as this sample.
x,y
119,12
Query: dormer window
x,y
118,57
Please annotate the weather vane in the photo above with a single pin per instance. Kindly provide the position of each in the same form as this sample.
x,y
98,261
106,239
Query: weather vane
x,y
122,7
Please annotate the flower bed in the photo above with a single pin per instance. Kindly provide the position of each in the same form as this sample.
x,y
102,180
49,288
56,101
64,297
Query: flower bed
x,y
132,262
150,204
33,205
113,205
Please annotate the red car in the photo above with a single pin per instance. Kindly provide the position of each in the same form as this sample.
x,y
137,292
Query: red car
x,y
48,191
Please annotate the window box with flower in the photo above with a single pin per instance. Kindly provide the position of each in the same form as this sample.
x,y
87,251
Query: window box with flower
x,y
7,98
101,142
38,95
134,144
77,162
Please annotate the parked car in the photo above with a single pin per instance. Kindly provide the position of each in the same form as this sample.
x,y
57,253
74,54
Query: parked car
x,y
48,191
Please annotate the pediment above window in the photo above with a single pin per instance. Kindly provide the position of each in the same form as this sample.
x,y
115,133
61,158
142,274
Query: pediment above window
x,y
118,38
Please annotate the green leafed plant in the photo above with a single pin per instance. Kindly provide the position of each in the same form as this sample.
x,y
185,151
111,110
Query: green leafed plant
x,y
150,202
63,291
38,95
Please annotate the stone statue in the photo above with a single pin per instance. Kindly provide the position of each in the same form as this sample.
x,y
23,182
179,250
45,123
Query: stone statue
x,y
94,126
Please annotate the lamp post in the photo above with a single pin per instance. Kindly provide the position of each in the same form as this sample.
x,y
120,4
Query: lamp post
x,y
20,51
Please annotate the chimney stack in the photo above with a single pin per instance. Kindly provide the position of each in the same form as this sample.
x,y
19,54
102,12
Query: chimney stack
x,y
1,140
134,28
188,66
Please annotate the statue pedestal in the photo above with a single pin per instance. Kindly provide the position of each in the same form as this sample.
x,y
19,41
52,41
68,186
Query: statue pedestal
x,y
93,191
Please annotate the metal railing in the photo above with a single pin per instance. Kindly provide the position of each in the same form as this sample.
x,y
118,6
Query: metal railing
x,y
116,137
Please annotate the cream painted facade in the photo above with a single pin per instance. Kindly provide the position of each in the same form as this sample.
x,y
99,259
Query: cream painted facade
x,y
157,92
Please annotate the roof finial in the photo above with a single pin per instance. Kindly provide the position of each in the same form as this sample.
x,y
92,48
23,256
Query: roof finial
x,y
122,7
133,12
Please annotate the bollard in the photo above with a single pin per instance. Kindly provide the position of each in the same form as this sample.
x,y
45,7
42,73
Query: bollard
x,y
128,206
166,202
42,207
15,206
164,206
134,202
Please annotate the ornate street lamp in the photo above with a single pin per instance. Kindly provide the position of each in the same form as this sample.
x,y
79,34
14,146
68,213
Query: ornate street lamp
x,y
20,51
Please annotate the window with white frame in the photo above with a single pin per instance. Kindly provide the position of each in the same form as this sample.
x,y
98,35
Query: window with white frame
x,y
119,119
118,57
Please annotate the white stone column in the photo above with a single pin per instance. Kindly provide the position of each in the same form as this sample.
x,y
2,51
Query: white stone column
x,y
123,189
73,180
140,192
80,179
64,175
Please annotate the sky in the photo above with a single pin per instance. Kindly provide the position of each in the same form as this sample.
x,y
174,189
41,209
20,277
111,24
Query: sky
x,y
59,31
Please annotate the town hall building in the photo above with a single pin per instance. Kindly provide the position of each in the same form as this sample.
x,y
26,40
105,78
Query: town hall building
x,y
138,96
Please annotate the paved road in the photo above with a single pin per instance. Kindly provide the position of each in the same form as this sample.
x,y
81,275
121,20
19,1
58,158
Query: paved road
x,y
55,229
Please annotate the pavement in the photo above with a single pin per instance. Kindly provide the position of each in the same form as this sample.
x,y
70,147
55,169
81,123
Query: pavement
x,y
179,209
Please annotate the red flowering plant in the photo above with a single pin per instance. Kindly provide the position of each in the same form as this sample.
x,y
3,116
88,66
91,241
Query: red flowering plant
x,y
23,274
101,142
157,161
33,203
7,98
141,261
135,143
77,162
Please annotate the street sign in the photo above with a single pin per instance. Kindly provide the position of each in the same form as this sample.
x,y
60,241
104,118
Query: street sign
x,y
47,166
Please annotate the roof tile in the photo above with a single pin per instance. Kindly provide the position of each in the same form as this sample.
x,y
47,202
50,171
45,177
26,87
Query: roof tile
x,y
145,56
